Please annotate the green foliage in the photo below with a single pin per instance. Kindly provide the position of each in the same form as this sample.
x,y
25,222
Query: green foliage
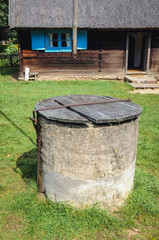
x,y
2,48
4,13
5,31
25,214
12,49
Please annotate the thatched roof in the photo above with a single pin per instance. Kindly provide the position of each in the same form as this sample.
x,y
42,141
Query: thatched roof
x,y
108,14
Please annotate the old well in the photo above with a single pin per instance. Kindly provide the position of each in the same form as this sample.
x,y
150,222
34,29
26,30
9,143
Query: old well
x,y
86,148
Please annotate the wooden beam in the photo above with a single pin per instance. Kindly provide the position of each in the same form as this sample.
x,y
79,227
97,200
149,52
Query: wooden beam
x,y
148,54
127,53
75,18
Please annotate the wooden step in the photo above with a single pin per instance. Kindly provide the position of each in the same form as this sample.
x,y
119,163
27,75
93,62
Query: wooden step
x,y
144,86
136,73
33,76
140,79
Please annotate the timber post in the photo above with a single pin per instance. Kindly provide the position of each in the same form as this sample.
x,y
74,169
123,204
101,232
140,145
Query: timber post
x,y
148,54
75,17
127,53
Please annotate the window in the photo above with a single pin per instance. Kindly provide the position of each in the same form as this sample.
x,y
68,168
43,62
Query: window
x,y
58,41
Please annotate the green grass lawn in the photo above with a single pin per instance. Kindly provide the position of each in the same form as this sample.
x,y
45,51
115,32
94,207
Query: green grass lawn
x,y
24,214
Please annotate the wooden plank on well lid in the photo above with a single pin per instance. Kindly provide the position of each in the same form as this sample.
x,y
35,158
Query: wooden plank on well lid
x,y
60,115
102,113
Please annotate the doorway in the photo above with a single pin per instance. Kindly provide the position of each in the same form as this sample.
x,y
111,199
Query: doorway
x,y
137,51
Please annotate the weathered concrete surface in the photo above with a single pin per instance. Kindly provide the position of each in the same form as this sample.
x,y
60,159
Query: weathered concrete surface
x,y
111,191
86,163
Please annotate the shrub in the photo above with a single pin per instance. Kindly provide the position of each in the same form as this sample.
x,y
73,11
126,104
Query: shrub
x,y
12,49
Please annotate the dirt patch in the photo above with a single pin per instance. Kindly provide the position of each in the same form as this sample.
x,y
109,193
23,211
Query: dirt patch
x,y
132,232
145,91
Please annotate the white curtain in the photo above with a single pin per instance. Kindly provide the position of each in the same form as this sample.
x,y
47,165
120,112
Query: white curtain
x,y
50,39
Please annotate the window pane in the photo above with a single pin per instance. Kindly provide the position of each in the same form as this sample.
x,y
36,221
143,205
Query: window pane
x,y
53,39
55,36
55,43
64,44
65,37
68,39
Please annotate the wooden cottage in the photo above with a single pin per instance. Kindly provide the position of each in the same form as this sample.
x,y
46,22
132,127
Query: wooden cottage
x,y
85,37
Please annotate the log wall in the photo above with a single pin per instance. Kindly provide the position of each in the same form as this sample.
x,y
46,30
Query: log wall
x,y
154,58
87,61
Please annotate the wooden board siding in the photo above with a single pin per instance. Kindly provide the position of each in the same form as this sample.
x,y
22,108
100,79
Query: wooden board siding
x,y
88,61
113,61
154,59
112,45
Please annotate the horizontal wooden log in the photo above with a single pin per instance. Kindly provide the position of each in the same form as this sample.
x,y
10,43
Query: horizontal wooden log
x,y
49,71
29,56
70,61
106,56
154,50
111,71
30,62
68,58
32,68
153,62
155,58
28,51
112,51
112,66
117,60
62,54
71,66
154,68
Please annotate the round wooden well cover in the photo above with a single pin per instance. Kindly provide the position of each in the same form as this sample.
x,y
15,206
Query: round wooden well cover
x,y
102,110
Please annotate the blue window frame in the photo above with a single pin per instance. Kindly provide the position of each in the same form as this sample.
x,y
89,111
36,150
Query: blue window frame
x,y
58,40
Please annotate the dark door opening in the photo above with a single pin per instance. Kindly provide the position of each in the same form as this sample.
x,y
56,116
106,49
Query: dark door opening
x,y
137,58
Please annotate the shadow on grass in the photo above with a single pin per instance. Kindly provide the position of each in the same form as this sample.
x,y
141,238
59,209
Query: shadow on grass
x,y
27,166
11,71
17,127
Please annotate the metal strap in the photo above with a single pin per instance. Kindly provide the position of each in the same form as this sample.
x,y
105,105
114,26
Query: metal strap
x,y
81,104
